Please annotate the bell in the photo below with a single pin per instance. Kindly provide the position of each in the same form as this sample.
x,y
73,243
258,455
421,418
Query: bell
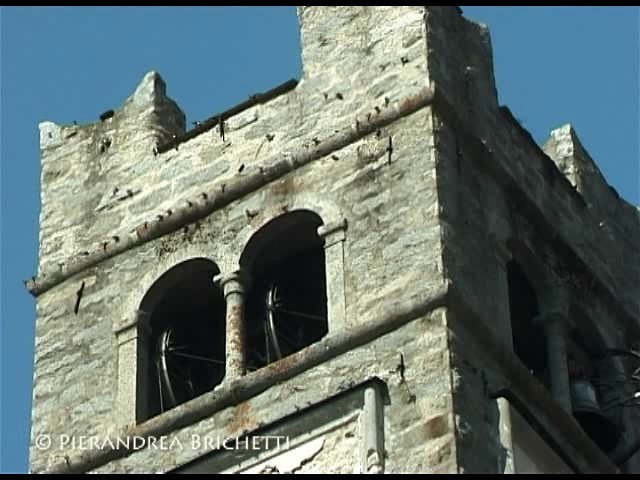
x,y
586,409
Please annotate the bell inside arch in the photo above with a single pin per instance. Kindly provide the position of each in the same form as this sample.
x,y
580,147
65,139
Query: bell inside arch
x,y
586,409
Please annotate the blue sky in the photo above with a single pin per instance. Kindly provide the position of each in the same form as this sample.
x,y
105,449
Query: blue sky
x,y
553,65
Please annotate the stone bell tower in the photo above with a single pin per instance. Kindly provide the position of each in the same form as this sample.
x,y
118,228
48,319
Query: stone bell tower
x,y
372,269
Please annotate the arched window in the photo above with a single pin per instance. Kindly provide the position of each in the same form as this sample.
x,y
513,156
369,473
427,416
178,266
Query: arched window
x,y
287,303
185,351
528,337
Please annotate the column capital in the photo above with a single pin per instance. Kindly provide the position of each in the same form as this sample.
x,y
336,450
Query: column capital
x,y
333,232
238,281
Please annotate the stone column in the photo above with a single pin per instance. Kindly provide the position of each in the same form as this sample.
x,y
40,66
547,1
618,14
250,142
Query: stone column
x,y
235,287
506,434
132,399
502,314
334,236
554,325
372,428
503,256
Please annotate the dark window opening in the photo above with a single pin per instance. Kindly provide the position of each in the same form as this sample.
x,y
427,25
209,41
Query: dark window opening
x,y
186,349
528,338
287,304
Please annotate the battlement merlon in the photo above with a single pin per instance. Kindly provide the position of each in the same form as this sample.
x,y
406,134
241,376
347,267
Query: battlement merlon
x,y
566,150
358,44
149,106
89,169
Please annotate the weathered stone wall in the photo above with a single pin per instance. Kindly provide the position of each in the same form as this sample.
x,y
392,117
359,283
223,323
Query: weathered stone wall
x,y
387,195
481,218
342,80
436,196
418,426
480,447
95,177
502,197
405,264
460,62
529,192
